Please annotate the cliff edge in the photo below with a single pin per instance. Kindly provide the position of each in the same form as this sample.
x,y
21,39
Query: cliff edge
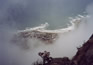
x,y
84,56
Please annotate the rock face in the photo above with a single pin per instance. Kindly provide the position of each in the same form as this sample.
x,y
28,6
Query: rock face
x,y
84,56
60,61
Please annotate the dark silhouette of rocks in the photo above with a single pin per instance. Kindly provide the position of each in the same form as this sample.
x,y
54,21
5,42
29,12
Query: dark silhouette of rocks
x,y
84,56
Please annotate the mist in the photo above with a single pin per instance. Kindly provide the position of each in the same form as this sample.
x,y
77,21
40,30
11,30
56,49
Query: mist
x,y
20,14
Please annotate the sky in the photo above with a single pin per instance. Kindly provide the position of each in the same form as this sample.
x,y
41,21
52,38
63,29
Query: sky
x,y
20,14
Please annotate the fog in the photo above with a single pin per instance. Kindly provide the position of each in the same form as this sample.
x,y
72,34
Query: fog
x,y
20,14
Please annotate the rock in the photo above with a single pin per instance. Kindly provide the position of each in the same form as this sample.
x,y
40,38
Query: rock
x,y
84,56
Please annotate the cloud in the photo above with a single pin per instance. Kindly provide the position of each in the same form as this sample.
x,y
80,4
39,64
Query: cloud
x,y
19,14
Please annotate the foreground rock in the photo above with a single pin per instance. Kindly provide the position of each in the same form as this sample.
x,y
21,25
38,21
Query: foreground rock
x,y
84,56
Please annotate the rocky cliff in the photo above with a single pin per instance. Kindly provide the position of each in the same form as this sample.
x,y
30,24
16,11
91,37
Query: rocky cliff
x,y
84,56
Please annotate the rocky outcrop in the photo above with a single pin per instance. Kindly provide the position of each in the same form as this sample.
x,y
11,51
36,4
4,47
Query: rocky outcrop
x,y
60,61
84,56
